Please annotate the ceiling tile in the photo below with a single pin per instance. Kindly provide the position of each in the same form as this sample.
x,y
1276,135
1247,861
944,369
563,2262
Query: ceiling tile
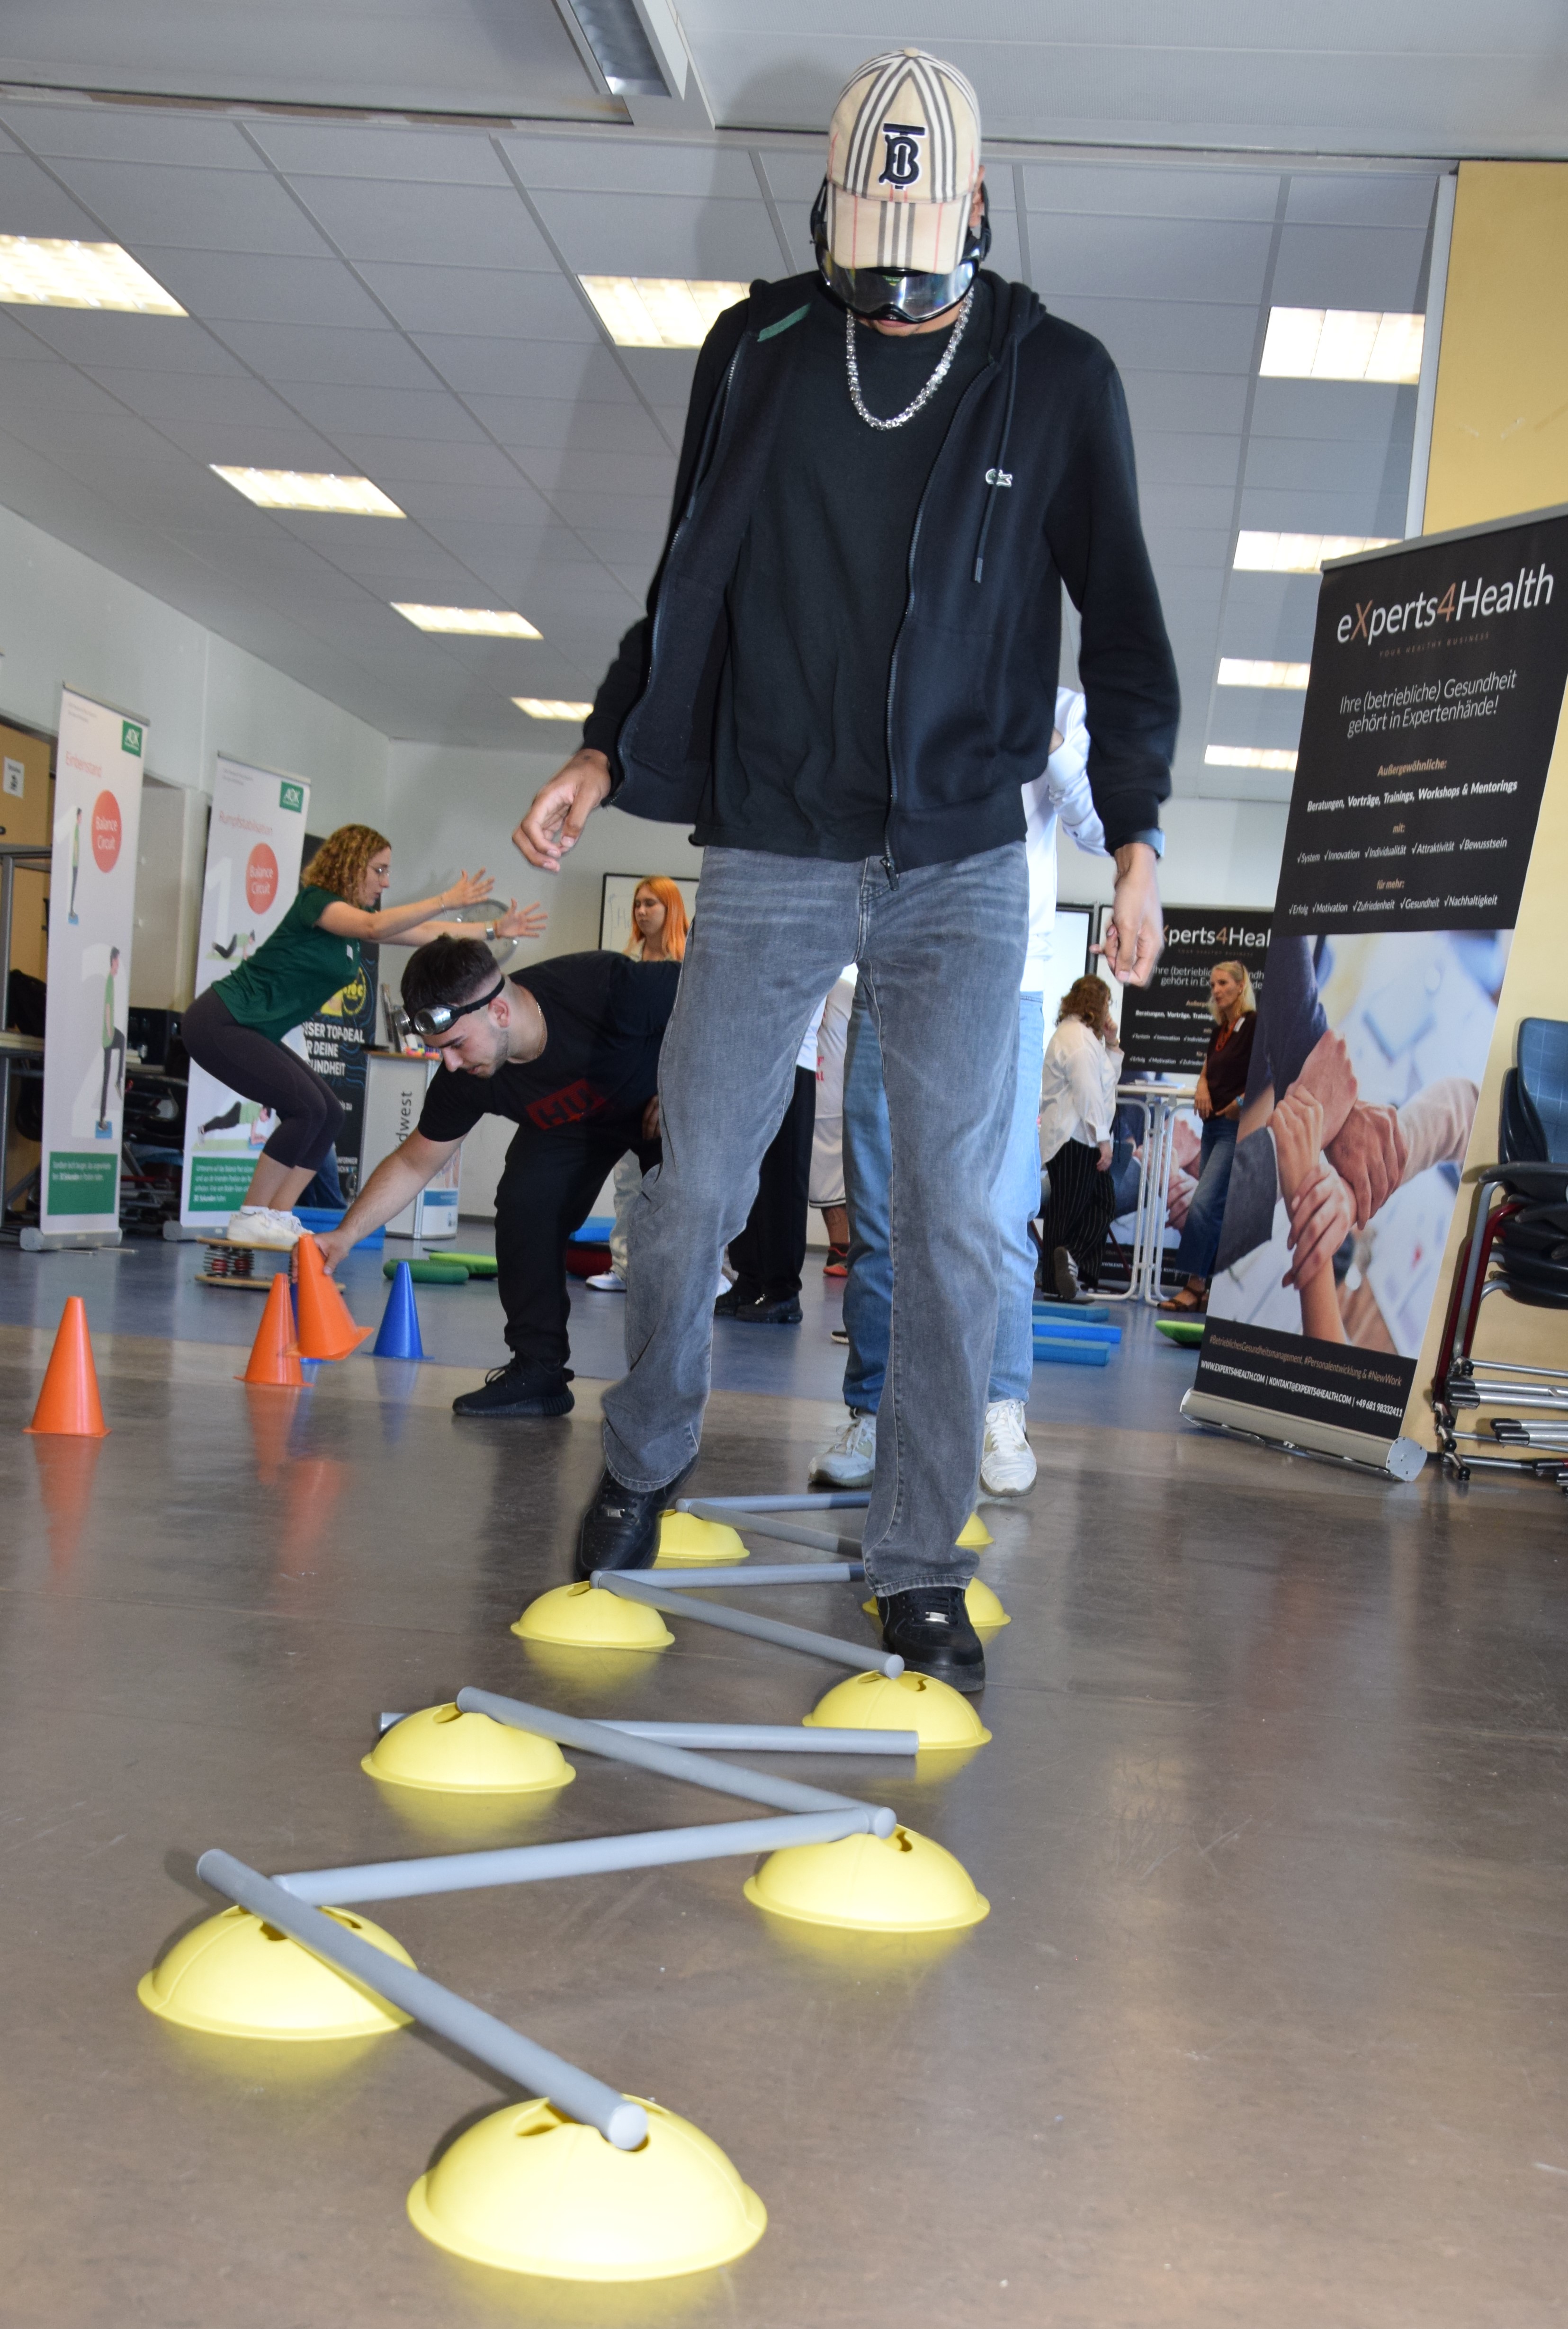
x,y
593,469
1194,401
428,225
146,205
552,422
384,411
486,300
1349,267
721,239
394,460
288,447
1151,192
582,371
118,133
31,203
156,343
1156,335
1149,259
209,399
250,287
1362,198
319,354
363,149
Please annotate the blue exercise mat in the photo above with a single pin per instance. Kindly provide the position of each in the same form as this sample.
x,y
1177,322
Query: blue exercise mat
x,y
1059,1351
1095,1312
1070,1330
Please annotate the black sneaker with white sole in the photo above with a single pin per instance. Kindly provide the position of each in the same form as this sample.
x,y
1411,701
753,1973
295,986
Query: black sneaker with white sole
x,y
928,1627
522,1387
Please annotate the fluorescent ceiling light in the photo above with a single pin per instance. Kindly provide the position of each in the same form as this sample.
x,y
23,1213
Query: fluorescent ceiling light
x,y
1248,756
658,311
1342,344
1300,553
474,622
638,48
297,489
52,274
546,707
1236,673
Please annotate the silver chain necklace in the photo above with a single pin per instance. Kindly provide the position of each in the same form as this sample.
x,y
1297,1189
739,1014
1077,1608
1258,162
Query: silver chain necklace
x,y
931,386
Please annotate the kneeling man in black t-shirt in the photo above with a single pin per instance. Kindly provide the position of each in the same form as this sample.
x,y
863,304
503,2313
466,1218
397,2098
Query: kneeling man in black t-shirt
x,y
572,1056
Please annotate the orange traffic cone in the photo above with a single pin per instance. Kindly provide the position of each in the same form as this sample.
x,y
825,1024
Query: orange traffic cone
x,y
326,1331
69,1402
274,1355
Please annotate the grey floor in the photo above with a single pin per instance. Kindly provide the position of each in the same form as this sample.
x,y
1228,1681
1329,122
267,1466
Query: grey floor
x,y
1265,2026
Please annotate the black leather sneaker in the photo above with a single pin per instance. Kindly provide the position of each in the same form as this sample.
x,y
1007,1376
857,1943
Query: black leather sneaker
x,y
522,1387
784,1312
621,1528
929,1629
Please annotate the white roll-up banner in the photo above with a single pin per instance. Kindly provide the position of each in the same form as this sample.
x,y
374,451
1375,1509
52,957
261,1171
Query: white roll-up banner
x,y
254,846
1431,712
92,880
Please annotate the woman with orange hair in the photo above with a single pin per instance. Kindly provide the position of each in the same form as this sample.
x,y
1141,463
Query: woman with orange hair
x,y
235,1030
658,921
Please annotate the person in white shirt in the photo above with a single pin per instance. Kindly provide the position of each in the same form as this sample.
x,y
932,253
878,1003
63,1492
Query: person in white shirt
x,y
1060,796
828,1140
1077,1112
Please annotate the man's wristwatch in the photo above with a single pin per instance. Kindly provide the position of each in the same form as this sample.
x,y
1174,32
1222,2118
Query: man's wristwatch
x,y
490,930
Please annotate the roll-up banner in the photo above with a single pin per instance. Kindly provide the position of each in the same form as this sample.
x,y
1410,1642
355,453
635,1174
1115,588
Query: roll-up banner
x,y
1436,688
92,880
254,846
1166,1026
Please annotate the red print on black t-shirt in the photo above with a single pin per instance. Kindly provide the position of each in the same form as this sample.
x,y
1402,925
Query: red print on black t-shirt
x,y
574,1104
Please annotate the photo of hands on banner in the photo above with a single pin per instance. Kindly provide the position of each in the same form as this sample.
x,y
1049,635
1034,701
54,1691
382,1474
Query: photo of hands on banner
x,y
1365,1076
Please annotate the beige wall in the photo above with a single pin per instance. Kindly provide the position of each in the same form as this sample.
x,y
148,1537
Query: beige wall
x,y
1501,447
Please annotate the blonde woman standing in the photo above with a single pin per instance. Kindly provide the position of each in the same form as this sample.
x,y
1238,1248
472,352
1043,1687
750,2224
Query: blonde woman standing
x,y
1234,1011
236,1028
660,929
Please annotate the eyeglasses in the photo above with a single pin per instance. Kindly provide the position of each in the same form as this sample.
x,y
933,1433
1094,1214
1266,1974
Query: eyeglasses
x,y
435,1024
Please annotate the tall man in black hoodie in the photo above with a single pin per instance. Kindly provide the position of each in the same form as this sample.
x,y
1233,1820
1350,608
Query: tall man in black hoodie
x,y
847,671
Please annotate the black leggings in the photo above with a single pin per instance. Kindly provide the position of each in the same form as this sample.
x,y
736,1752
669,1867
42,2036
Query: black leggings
x,y
309,1115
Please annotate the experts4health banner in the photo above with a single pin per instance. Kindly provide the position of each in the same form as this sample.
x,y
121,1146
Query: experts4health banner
x,y
1436,688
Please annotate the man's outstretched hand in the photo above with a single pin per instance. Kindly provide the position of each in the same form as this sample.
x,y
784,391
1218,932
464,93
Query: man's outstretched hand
x,y
1327,1075
1136,930
561,809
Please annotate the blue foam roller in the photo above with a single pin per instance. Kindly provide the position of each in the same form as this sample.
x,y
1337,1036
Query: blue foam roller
x,y
1095,1312
399,1325
1059,1352
1078,1330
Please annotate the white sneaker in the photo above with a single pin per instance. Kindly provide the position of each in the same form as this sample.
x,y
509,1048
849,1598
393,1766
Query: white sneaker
x,y
609,1281
261,1225
1007,1467
848,1461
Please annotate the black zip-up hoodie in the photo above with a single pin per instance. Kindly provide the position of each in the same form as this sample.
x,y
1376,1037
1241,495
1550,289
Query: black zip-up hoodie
x,y
1035,486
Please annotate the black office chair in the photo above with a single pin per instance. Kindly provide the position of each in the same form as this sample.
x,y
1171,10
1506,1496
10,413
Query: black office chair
x,y
1524,1239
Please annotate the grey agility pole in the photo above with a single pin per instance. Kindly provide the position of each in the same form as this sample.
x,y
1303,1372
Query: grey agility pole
x,y
786,1532
572,2091
742,1621
767,1572
839,1500
669,1762
774,1738
594,1855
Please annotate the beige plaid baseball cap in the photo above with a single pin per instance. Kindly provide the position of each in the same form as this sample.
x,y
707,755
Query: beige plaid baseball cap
x,y
903,154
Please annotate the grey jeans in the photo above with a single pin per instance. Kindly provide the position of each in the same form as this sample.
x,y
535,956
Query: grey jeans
x,y
941,952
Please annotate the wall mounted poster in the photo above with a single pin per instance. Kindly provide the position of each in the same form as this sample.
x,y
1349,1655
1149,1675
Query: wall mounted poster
x,y
254,845
92,879
1438,674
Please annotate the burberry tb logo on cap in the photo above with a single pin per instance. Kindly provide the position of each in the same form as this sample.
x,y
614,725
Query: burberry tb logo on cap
x,y
902,167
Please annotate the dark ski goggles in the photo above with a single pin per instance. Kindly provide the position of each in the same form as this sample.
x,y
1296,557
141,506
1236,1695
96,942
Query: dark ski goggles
x,y
436,1023
882,296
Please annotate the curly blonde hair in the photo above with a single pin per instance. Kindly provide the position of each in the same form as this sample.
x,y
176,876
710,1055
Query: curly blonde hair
x,y
339,864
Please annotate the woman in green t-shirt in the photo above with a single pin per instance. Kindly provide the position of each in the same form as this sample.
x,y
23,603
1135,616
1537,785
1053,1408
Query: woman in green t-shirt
x,y
236,1028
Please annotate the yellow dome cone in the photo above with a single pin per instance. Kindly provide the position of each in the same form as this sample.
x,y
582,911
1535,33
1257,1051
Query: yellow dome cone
x,y
939,1715
590,1617
974,1536
452,1753
903,1883
238,1977
687,1543
986,1612
527,2191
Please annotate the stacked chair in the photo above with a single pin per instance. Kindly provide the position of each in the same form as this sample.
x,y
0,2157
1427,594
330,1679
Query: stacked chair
x,y
1518,1247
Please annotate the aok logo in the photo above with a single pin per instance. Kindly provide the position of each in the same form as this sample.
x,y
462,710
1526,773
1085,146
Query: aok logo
x,y
291,796
107,832
260,878
130,738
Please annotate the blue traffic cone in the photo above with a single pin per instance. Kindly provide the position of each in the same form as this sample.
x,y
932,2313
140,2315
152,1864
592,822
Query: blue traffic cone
x,y
400,1328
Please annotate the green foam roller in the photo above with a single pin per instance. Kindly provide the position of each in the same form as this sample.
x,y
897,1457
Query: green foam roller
x,y
445,1272
477,1264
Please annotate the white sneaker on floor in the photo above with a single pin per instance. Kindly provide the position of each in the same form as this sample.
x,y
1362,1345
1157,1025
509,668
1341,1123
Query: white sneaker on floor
x,y
1007,1467
609,1281
848,1461
261,1225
